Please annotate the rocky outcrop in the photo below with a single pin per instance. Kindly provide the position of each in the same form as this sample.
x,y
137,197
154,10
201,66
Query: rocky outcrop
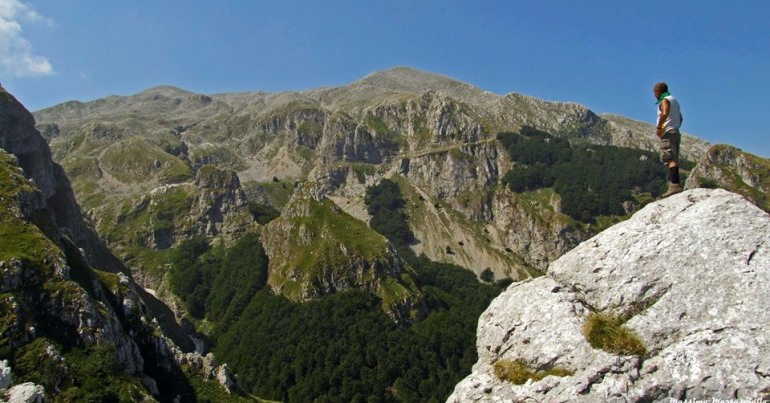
x,y
447,174
219,203
316,249
730,168
213,206
39,275
209,368
535,231
19,137
564,119
688,274
26,392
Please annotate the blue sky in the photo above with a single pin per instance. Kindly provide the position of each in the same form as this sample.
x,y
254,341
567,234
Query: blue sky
x,y
606,55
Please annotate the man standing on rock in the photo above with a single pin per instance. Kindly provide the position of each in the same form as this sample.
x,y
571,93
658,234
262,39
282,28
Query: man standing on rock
x,y
669,121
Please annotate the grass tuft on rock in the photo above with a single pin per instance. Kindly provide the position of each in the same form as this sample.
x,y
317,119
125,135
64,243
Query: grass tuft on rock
x,y
608,333
519,372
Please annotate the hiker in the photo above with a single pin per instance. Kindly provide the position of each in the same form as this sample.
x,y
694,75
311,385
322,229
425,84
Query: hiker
x,y
669,122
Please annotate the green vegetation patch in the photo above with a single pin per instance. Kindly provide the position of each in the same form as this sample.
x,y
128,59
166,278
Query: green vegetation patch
x,y
377,125
310,128
278,191
211,391
342,347
608,333
216,282
136,160
362,170
322,244
263,213
135,218
387,206
99,377
338,228
519,372
22,240
19,239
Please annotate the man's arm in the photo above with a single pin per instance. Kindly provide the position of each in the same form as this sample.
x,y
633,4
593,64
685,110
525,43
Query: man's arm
x,y
665,106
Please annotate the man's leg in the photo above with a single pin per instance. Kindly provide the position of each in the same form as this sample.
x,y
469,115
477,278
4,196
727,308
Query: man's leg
x,y
670,156
673,173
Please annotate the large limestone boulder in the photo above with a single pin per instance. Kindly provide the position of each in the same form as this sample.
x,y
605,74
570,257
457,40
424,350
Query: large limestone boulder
x,y
693,274
27,392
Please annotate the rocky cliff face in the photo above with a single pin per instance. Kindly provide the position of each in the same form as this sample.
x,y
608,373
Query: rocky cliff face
x,y
57,311
213,205
18,136
315,249
729,168
51,298
688,274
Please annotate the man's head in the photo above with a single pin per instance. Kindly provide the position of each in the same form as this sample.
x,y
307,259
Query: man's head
x,y
659,88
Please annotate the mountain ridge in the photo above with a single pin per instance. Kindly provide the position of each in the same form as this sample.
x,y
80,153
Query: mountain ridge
x,y
375,89
400,121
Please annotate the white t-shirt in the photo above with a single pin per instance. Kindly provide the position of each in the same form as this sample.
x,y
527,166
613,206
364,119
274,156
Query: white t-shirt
x,y
674,120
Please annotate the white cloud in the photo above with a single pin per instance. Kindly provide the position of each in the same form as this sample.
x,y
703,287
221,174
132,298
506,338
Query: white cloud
x,y
16,55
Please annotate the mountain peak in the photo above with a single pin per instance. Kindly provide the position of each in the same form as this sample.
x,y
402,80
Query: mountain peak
x,y
400,82
165,90
408,79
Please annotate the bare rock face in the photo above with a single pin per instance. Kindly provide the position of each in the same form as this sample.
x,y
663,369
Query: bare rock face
x,y
730,168
693,274
536,234
6,377
447,174
219,202
27,392
19,137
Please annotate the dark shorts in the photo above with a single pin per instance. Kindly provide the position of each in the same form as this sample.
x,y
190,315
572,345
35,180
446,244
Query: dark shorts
x,y
669,146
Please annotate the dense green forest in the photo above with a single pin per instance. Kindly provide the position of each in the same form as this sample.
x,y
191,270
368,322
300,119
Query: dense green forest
x,y
340,347
591,180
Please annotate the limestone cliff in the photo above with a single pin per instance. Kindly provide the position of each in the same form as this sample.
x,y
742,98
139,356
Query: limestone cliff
x,y
51,298
18,136
730,168
315,249
688,274
213,205
72,321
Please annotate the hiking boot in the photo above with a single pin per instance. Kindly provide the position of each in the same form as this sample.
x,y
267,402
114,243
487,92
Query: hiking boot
x,y
673,188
